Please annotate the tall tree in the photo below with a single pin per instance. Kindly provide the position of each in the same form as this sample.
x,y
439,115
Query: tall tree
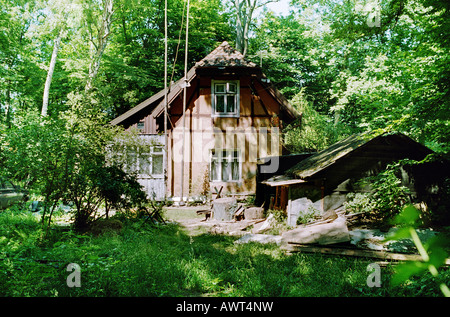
x,y
61,15
19,71
244,16
51,69
99,41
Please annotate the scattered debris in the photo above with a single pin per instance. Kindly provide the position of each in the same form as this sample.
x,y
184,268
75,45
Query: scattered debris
x,y
331,232
254,213
382,255
206,212
233,228
267,224
239,214
302,208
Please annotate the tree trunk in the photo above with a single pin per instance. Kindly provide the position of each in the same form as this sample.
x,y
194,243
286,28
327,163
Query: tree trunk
x,y
239,29
51,69
244,15
224,208
102,41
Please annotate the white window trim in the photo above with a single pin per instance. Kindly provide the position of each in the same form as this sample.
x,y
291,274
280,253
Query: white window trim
x,y
239,156
236,113
138,167
159,153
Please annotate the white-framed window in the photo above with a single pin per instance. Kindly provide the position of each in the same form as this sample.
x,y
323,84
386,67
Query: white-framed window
x,y
225,165
146,162
225,98
157,160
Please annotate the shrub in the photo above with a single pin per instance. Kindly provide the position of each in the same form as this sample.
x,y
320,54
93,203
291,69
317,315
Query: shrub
x,y
359,202
308,215
387,196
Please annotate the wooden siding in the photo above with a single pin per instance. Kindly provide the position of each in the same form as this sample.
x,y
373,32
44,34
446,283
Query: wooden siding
x,y
205,132
256,110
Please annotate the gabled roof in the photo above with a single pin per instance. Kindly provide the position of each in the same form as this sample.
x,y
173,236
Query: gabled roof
x,y
223,56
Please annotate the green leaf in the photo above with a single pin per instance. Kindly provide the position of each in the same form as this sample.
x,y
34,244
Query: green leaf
x,y
437,257
408,216
406,270
400,233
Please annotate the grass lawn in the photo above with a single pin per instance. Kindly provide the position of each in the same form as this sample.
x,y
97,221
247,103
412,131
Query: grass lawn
x,y
164,260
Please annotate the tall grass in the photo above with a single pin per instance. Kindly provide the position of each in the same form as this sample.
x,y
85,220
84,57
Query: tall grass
x,y
143,260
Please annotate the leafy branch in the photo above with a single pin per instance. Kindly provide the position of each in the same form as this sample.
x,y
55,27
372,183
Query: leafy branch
x,y
432,252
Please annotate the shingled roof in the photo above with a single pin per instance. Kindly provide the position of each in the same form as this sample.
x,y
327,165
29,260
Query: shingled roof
x,y
226,56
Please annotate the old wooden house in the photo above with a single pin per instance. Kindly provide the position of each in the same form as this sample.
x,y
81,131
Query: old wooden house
x,y
221,118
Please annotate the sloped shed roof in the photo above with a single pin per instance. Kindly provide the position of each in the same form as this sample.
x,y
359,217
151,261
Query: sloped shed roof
x,y
339,151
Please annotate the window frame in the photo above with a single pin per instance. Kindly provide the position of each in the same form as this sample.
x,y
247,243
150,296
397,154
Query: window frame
x,y
135,164
227,93
154,153
231,156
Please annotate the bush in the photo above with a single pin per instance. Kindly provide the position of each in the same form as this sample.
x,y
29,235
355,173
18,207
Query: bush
x,y
314,132
359,202
386,198
65,159
309,215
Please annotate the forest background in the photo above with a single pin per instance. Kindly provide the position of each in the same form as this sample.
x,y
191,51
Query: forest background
x,y
348,66
68,67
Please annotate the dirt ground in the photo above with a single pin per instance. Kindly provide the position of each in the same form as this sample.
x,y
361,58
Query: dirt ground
x,y
197,224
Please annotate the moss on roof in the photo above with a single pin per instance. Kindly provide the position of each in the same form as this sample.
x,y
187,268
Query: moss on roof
x,y
326,157
225,55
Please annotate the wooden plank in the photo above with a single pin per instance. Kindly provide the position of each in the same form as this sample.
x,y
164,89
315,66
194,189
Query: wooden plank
x,y
291,247
323,234
239,213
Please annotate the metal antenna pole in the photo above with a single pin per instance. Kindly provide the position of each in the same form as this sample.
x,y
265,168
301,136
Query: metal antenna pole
x,y
166,143
185,85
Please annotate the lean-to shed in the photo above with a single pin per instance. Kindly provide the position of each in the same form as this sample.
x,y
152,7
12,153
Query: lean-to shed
x,y
330,174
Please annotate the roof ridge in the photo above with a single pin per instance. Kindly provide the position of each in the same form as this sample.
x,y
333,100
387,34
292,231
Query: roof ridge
x,y
225,55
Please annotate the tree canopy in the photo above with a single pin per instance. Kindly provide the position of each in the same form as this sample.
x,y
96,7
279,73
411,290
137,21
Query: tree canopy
x,y
349,66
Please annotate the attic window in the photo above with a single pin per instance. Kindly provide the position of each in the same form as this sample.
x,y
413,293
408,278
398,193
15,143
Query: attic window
x,y
225,98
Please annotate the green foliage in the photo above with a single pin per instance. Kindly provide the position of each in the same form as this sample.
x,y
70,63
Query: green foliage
x,y
387,197
312,133
360,75
142,260
65,159
308,215
432,252
359,202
